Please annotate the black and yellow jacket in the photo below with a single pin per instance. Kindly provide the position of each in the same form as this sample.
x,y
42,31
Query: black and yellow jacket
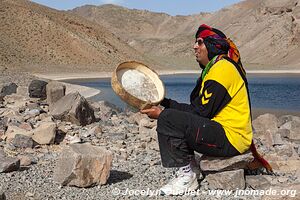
x,y
222,96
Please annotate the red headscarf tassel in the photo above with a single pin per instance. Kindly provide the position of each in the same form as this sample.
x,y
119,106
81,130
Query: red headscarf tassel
x,y
259,161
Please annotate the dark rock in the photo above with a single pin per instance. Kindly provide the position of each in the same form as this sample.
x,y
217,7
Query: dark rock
x,y
73,108
37,89
9,89
22,141
9,164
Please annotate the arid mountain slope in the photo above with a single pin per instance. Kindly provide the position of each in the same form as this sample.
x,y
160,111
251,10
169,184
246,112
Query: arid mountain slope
x,y
267,32
37,38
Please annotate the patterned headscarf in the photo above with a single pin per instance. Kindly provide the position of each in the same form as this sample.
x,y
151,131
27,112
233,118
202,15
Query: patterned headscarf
x,y
217,43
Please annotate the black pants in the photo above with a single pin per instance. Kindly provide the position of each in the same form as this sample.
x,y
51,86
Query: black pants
x,y
181,133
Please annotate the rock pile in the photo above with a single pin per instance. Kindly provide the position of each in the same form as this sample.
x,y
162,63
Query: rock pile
x,y
97,148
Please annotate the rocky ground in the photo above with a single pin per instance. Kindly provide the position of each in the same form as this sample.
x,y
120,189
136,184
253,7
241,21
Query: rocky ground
x,y
132,140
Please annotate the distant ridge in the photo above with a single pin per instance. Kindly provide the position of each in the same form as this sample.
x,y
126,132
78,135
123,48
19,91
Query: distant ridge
x,y
38,38
267,32
97,38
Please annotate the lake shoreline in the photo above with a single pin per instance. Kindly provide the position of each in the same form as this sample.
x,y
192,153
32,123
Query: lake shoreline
x,y
89,92
92,75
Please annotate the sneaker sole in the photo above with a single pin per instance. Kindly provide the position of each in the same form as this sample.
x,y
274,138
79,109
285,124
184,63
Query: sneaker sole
x,y
194,186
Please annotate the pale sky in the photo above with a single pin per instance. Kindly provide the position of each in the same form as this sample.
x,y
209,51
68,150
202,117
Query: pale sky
x,y
172,7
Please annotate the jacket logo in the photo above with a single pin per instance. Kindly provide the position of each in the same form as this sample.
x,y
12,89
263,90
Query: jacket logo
x,y
205,97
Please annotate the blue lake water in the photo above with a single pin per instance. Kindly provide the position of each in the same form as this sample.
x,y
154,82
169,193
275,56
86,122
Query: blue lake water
x,y
266,91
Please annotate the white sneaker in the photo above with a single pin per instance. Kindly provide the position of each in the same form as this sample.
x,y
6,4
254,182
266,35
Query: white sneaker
x,y
182,183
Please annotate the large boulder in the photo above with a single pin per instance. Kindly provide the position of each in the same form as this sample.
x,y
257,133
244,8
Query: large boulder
x,y
73,108
55,91
83,165
37,89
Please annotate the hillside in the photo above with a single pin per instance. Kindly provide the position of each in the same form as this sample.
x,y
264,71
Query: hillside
x,y
40,39
267,32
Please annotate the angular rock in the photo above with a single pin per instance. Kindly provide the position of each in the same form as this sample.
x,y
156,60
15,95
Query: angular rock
x,y
22,141
9,164
9,89
71,139
45,133
284,150
136,118
284,133
294,135
287,118
218,164
12,131
73,108
26,126
22,90
258,182
37,89
229,180
25,160
277,140
104,109
265,122
55,91
147,123
15,101
268,138
83,165
33,112
96,131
